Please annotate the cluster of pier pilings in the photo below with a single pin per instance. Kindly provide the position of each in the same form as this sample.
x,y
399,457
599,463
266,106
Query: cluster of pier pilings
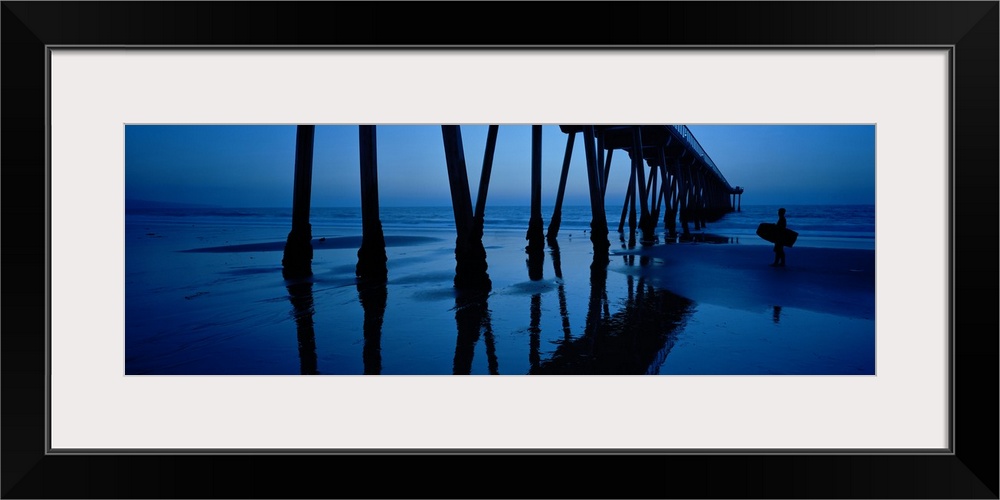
x,y
672,179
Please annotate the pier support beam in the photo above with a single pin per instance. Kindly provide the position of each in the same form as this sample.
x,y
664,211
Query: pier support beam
x,y
371,255
684,191
663,196
535,236
695,204
599,219
633,226
556,220
470,256
646,223
629,201
607,168
702,202
653,189
484,181
297,260
670,219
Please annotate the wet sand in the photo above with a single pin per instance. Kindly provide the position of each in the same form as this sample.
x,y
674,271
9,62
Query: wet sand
x,y
835,281
204,300
814,316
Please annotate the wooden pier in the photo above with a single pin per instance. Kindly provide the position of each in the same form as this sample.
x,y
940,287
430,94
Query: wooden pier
x,y
672,179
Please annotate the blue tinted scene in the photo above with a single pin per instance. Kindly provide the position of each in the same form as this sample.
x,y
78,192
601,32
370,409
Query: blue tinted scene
x,y
500,250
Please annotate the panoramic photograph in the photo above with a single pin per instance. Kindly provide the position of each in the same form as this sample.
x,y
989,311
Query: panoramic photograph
x,y
511,249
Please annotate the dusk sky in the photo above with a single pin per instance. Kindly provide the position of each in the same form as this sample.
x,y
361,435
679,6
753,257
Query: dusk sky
x,y
252,165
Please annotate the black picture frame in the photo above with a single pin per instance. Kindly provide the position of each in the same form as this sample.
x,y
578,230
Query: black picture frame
x,y
969,28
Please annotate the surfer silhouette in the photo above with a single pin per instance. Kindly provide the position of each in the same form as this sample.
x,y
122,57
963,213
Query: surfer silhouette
x,y
779,247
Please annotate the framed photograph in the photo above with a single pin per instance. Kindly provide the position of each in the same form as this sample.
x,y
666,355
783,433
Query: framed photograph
x,y
165,351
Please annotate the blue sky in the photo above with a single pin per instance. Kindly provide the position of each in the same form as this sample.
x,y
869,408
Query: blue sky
x,y
252,165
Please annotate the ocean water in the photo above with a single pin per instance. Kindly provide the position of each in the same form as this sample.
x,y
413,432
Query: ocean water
x,y
204,295
828,226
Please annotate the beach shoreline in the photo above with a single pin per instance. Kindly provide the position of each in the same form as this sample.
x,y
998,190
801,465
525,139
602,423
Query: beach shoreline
x,y
211,300
833,280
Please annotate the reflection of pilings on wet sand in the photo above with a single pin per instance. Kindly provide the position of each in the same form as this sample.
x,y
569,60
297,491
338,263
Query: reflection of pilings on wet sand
x,y
556,259
593,324
563,309
534,332
300,294
564,313
373,296
472,316
634,340
536,260
491,346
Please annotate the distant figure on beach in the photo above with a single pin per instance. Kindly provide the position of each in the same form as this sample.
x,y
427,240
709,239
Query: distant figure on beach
x,y
779,247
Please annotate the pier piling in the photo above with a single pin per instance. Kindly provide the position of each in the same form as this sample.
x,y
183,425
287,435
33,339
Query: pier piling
x,y
535,236
646,224
556,220
371,256
298,253
599,220
470,255
484,181
683,183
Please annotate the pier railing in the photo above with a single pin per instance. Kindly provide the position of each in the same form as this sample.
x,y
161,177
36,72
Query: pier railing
x,y
695,146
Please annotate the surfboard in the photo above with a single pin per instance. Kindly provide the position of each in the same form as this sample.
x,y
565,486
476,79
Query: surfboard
x,y
770,232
